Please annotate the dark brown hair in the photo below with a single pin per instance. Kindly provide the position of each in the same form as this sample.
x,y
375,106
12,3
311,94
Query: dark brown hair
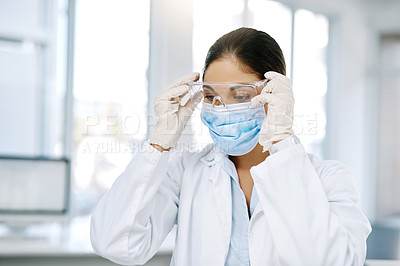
x,y
255,51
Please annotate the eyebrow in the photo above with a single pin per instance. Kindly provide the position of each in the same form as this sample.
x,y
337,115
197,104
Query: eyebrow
x,y
231,88
209,87
237,87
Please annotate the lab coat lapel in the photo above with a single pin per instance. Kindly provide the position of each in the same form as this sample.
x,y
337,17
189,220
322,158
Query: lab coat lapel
x,y
223,196
257,210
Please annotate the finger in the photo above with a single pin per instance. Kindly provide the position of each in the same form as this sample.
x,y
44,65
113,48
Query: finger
x,y
183,100
260,85
256,101
275,86
272,75
190,105
186,79
261,99
176,92
173,93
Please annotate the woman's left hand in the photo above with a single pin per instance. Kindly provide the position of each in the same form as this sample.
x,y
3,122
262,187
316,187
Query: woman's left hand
x,y
278,122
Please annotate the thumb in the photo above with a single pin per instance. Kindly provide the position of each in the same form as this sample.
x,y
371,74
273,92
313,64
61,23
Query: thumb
x,y
172,93
272,75
261,99
257,101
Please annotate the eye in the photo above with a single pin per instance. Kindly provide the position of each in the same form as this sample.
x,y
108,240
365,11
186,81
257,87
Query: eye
x,y
209,98
242,97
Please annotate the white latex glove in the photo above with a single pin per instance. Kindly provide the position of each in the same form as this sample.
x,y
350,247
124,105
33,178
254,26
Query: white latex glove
x,y
170,115
278,122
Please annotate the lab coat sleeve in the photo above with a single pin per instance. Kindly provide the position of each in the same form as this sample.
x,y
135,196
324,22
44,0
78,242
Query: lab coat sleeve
x,y
311,210
132,219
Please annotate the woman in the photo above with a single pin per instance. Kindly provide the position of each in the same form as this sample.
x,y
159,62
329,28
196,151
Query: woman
x,y
254,197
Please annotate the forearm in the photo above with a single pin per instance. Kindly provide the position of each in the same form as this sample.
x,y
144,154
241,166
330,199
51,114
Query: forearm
x,y
120,229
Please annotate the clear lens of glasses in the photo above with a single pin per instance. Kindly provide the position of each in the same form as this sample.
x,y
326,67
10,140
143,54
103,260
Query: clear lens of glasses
x,y
222,93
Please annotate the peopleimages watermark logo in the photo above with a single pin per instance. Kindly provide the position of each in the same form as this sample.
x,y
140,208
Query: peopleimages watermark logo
x,y
113,133
113,124
112,146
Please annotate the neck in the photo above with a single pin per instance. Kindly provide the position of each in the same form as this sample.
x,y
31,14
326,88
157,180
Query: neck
x,y
248,160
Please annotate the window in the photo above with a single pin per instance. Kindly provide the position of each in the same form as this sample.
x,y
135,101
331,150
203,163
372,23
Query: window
x,y
110,92
387,183
303,38
32,67
310,43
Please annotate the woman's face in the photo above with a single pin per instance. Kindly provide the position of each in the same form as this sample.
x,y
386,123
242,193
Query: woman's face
x,y
228,70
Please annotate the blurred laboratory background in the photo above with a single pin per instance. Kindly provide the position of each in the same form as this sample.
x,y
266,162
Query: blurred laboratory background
x,y
78,79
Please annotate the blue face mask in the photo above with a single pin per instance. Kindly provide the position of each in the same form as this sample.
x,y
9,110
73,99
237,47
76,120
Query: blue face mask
x,y
234,128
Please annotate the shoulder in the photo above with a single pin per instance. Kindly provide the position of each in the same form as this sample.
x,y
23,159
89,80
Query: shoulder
x,y
336,178
328,167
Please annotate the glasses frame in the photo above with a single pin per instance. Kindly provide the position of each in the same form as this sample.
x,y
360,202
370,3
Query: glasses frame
x,y
191,94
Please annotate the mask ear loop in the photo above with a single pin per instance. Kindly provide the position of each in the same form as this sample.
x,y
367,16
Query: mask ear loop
x,y
219,99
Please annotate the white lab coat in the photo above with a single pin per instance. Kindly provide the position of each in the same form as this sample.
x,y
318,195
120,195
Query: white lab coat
x,y
306,213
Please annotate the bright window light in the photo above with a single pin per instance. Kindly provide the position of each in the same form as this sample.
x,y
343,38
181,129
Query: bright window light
x,y
110,91
311,36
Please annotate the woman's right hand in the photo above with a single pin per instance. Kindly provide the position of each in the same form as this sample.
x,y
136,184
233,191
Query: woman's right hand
x,y
170,115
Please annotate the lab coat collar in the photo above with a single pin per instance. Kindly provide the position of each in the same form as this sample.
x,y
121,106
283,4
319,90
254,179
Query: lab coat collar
x,y
213,156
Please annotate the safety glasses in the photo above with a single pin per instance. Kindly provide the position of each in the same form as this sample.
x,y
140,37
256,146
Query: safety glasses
x,y
222,93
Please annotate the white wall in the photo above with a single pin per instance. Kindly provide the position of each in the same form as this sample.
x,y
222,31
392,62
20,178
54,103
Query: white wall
x,y
382,17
